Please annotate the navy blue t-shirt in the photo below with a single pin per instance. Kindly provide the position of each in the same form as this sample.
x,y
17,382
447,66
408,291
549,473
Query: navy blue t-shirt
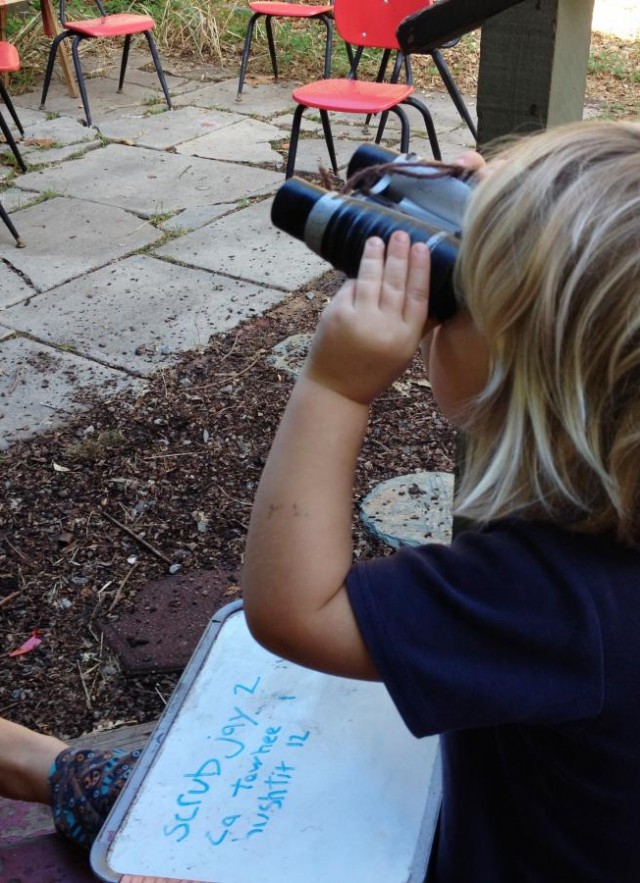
x,y
520,643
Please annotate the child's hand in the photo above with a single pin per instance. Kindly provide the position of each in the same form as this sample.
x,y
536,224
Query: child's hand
x,y
369,333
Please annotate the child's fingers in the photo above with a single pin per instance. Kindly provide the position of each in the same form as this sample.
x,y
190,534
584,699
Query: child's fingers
x,y
396,268
370,272
416,302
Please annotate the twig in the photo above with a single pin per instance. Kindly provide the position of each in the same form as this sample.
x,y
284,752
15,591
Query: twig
x,y
177,454
139,539
84,687
118,593
233,346
248,367
8,599
17,551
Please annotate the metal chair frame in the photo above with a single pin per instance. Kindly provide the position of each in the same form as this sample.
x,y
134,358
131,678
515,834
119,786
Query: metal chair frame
x,y
363,24
9,62
323,15
74,30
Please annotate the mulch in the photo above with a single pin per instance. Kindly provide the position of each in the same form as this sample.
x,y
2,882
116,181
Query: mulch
x,y
152,487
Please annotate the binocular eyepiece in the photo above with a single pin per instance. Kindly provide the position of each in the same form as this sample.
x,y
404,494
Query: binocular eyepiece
x,y
426,204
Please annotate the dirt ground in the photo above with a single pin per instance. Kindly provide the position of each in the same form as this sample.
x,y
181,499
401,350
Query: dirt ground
x,y
177,467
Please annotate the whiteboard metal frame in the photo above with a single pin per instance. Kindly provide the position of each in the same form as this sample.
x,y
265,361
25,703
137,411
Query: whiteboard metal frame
x,y
99,850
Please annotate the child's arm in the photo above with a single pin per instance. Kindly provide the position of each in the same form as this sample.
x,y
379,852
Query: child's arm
x,y
299,547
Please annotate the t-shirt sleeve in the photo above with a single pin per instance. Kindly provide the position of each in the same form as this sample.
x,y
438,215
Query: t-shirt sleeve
x,y
495,629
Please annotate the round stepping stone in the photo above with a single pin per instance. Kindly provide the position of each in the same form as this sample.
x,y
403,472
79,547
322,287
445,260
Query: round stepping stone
x,y
289,355
410,510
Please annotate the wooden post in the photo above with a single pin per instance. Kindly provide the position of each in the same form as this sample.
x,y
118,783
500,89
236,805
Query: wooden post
x,y
533,66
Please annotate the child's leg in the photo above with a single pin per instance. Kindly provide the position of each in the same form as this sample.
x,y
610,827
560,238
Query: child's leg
x,y
26,758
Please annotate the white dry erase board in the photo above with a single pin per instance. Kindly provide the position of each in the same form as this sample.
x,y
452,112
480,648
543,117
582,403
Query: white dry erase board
x,y
262,769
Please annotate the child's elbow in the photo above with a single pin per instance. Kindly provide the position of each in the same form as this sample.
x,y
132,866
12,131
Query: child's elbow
x,y
260,623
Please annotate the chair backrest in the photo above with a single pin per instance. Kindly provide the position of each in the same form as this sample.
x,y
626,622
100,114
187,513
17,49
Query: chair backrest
x,y
374,22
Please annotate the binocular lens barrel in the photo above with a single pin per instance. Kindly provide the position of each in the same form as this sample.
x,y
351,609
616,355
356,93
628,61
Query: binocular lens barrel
x,y
337,227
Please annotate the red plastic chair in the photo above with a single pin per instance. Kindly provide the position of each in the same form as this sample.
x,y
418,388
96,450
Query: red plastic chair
x,y
363,24
272,9
10,62
123,24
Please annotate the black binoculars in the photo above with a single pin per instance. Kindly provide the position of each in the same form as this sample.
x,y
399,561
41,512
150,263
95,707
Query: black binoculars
x,y
419,199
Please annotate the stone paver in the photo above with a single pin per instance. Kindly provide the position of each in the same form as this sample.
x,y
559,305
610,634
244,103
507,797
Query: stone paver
x,y
39,388
246,141
13,287
260,101
204,173
151,182
245,245
410,510
289,355
140,313
163,130
65,238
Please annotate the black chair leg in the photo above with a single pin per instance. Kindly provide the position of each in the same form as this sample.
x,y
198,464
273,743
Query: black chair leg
x,y
5,217
272,47
6,131
153,49
9,103
246,50
123,63
293,139
50,63
328,137
328,46
452,89
428,122
405,131
80,78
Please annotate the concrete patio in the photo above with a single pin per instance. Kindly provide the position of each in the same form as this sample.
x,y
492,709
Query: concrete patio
x,y
151,232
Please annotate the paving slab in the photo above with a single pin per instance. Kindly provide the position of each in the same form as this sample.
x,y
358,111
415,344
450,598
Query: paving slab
x,y
290,354
40,387
312,154
246,245
13,199
61,130
104,100
170,616
245,141
150,182
260,101
163,130
410,510
67,237
44,157
194,218
140,313
13,287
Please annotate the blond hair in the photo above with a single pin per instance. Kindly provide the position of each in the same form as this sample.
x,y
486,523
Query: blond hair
x,y
549,270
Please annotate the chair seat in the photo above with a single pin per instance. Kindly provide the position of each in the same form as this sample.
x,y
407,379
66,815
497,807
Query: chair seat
x,y
116,25
352,96
288,10
9,58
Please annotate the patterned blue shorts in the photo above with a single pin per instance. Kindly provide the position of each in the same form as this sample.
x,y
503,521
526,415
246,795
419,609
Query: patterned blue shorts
x,y
84,785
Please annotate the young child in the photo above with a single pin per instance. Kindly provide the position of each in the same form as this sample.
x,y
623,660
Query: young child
x,y
519,642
